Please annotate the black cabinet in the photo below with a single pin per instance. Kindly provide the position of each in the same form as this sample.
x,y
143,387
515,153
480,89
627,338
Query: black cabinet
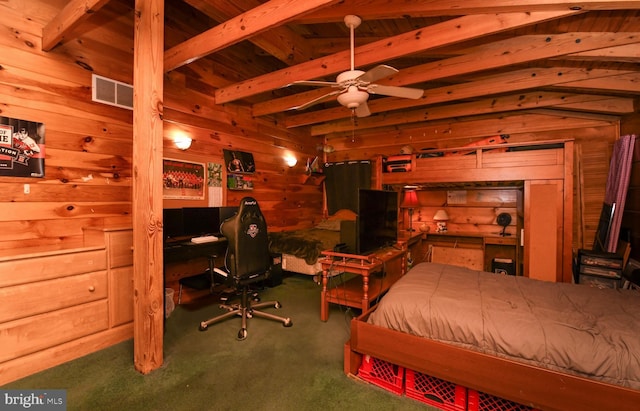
x,y
599,269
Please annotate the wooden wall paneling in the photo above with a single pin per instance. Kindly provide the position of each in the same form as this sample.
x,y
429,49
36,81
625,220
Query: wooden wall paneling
x,y
477,215
286,202
83,177
579,209
595,155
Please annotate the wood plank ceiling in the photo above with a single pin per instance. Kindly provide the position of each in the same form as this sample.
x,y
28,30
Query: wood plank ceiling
x,y
471,57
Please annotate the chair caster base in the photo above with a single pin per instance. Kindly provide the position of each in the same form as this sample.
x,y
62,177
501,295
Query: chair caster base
x,y
287,322
242,334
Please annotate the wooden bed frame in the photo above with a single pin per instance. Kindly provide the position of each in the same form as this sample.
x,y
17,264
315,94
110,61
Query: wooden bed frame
x,y
536,387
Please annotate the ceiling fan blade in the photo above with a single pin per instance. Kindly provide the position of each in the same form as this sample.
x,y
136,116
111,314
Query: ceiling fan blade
x,y
377,73
363,110
316,100
393,91
314,83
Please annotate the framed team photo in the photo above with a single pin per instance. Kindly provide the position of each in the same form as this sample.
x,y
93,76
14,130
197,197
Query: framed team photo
x,y
183,180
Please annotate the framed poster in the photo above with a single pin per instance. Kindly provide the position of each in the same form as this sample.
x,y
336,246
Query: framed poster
x,y
21,148
238,161
239,182
183,180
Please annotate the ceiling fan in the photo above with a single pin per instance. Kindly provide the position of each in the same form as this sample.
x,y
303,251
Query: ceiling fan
x,y
354,86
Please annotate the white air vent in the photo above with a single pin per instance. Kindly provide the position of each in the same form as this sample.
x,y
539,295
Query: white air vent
x,y
112,92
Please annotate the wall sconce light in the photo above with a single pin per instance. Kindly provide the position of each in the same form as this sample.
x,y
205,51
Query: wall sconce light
x,y
291,160
441,218
410,201
182,141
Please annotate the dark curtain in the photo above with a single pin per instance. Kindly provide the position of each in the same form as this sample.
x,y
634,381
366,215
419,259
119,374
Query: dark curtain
x,y
343,179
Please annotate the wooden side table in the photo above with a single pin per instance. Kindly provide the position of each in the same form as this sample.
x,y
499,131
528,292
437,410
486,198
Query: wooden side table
x,y
375,273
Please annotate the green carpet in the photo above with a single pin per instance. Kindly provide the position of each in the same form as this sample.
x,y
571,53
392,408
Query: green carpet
x,y
275,368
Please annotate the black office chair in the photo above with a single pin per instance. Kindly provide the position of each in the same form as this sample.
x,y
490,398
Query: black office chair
x,y
247,262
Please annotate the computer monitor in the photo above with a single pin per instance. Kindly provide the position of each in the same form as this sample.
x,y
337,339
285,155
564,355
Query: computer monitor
x,y
200,221
172,223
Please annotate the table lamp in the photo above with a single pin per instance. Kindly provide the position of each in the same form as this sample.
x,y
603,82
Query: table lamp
x,y
410,201
441,218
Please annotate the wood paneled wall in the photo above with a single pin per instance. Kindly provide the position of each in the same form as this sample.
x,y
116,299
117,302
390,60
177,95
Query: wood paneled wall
x,y
88,170
470,210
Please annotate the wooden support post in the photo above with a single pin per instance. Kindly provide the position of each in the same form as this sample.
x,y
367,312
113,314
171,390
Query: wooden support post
x,y
147,185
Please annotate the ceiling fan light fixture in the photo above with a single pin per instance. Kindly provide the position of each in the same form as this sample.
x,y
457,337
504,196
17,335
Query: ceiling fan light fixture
x,y
353,97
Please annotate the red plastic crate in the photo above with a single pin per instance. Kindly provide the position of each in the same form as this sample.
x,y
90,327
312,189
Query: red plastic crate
x,y
383,374
480,401
435,392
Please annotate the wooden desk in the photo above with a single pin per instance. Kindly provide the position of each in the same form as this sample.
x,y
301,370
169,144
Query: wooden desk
x,y
184,259
375,273
472,250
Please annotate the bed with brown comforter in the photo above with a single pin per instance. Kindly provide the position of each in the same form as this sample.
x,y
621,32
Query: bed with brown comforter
x,y
538,343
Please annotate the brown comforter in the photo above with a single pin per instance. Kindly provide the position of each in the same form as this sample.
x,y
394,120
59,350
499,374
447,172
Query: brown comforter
x,y
572,328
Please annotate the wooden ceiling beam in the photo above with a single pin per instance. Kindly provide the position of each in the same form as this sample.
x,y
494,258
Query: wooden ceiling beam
x,y
628,83
255,21
515,102
373,10
611,105
280,42
448,32
442,132
625,53
489,85
73,14
494,55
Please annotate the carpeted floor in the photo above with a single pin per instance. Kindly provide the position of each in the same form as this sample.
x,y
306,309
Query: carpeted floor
x,y
275,368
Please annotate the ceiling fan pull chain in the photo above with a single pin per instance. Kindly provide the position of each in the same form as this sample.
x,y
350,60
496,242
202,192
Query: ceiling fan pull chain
x,y
353,125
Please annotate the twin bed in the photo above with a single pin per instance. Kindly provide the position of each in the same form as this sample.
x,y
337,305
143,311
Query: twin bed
x,y
301,249
551,346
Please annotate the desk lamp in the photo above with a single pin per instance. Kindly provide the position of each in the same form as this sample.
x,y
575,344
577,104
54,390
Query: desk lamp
x,y
441,218
410,201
